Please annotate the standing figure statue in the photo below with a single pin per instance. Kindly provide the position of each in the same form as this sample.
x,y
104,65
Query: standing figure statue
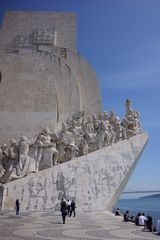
x,y
2,169
5,160
113,119
90,135
76,138
67,138
26,164
49,156
101,134
36,152
118,130
12,170
78,135
112,134
132,119
129,110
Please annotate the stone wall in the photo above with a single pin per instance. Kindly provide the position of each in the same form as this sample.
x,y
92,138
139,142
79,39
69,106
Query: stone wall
x,y
45,84
95,181
23,22
35,92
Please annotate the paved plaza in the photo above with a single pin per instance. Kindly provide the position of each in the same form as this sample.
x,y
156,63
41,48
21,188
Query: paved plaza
x,y
85,226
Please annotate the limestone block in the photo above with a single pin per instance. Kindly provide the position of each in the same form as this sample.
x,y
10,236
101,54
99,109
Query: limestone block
x,y
25,22
35,92
39,87
94,181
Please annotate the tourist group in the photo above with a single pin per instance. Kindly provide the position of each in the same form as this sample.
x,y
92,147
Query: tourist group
x,y
67,208
140,220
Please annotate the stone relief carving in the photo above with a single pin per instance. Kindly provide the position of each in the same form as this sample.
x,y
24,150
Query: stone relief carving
x,y
33,40
46,37
47,152
78,137
131,121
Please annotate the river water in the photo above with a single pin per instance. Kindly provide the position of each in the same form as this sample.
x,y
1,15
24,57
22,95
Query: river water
x,y
149,206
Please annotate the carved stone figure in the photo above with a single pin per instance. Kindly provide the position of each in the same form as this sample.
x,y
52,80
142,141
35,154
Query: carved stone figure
x,y
80,141
4,157
26,164
34,39
49,157
128,123
113,118
36,152
112,134
76,138
83,148
124,132
106,116
41,37
101,134
2,169
90,135
118,130
78,115
77,132
137,123
68,141
129,110
13,155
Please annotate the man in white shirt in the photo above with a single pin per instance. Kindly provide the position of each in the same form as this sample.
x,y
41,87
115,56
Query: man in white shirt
x,y
68,206
158,227
142,220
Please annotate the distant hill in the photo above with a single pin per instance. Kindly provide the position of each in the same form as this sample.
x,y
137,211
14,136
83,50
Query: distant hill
x,y
152,196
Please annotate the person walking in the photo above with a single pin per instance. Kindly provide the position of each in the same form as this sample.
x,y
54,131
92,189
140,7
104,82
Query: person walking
x,y
17,203
68,207
73,207
63,210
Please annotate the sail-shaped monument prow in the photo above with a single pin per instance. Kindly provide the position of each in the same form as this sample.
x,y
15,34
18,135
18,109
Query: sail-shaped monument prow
x,y
95,180
55,142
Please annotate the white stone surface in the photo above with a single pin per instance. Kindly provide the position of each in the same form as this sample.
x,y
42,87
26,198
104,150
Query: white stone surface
x,y
24,22
95,181
43,86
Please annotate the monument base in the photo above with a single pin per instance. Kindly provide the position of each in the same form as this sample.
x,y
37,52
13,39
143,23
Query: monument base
x,y
95,181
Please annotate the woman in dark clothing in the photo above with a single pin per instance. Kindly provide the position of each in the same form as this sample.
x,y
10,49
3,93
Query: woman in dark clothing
x,y
149,224
126,216
63,211
117,212
73,206
137,219
17,203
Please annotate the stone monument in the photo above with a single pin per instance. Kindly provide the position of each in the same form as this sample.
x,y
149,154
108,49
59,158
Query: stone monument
x,y
55,141
43,79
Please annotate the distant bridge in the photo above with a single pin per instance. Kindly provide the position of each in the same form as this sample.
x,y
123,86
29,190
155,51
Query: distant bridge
x,y
127,192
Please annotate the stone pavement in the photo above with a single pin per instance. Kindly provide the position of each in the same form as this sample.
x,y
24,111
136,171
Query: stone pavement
x,y
47,225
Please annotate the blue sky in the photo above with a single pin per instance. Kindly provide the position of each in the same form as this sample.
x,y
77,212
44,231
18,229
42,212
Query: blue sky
x,y
121,40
